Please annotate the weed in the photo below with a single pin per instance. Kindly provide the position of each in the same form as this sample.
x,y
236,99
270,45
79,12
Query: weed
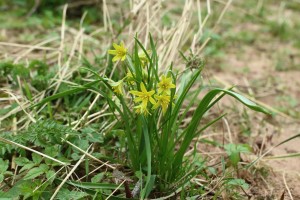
x,y
155,142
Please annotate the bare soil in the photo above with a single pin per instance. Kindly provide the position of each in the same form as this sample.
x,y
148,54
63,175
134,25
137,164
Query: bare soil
x,y
253,69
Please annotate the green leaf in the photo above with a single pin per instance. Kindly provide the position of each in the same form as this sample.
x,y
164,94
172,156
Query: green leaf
x,y
89,185
65,93
35,172
21,161
82,144
139,175
51,151
1,178
150,178
238,182
67,194
150,185
97,178
50,175
212,170
92,188
233,151
75,156
37,158
3,165
9,173
245,101
27,166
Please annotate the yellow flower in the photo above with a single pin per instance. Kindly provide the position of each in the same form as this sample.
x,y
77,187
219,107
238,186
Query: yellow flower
x,y
142,109
144,97
165,85
117,86
119,52
130,78
163,101
143,58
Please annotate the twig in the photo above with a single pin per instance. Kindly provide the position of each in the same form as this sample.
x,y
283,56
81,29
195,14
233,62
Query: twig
x,y
28,46
286,186
115,190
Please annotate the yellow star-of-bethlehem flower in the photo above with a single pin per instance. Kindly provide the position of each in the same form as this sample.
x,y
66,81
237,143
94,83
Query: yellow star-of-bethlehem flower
x,y
165,85
130,78
142,109
143,58
144,97
119,52
117,86
162,100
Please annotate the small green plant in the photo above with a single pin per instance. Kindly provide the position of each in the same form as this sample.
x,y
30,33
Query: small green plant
x,y
233,151
231,186
149,107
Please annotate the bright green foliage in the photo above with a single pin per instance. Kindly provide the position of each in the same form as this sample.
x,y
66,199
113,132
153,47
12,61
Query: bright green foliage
x,y
37,73
48,136
35,172
233,151
97,178
74,195
43,134
3,168
231,186
238,183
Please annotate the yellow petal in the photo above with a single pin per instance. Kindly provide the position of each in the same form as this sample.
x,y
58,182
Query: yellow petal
x,y
155,106
160,90
116,46
138,99
164,108
143,88
152,100
116,58
113,52
136,93
151,92
168,79
115,84
172,85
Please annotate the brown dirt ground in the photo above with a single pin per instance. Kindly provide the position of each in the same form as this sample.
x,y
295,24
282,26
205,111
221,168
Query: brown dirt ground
x,y
266,84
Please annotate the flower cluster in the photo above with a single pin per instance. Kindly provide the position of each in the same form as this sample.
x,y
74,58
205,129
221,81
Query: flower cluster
x,y
145,96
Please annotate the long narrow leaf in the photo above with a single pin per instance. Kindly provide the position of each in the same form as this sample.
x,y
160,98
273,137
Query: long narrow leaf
x,y
200,111
149,180
65,93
